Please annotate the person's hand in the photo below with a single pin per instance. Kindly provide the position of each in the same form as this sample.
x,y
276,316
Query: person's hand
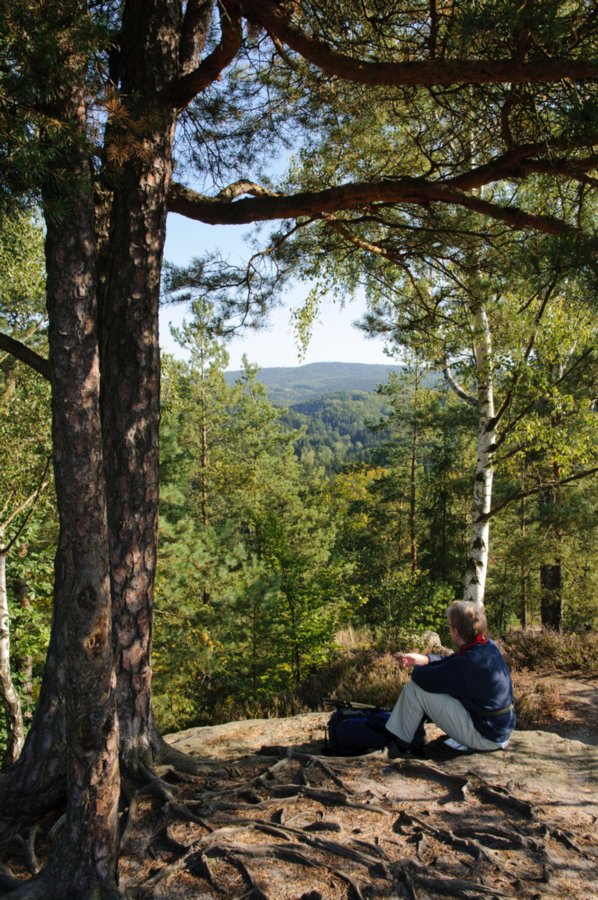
x,y
406,660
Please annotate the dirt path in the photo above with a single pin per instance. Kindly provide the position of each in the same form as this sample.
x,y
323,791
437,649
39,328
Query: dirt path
x,y
577,715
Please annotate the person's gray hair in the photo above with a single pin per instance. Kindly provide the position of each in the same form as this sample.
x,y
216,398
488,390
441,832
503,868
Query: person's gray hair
x,y
468,618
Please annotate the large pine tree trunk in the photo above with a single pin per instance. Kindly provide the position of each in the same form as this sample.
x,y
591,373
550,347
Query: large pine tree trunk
x,y
477,563
128,279
130,360
72,747
85,861
75,731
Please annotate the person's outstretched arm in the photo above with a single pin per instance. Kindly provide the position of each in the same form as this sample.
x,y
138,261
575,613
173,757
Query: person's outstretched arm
x,y
407,660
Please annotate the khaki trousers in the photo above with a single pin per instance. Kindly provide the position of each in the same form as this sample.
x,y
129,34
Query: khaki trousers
x,y
442,709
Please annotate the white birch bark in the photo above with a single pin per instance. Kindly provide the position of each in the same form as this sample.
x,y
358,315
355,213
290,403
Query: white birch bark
x,y
8,694
477,562
15,736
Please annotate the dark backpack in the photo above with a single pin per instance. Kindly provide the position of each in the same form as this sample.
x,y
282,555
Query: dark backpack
x,y
354,729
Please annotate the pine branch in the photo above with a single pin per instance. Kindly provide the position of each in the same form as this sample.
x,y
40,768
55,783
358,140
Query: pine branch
x,y
275,19
189,86
23,353
528,159
340,226
416,191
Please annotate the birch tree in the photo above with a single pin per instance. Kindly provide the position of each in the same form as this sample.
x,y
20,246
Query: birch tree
x,y
24,444
503,337
477,563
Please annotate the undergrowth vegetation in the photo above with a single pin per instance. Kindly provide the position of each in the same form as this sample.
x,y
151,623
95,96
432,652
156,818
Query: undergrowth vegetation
x,y
548,651
365,673
537,702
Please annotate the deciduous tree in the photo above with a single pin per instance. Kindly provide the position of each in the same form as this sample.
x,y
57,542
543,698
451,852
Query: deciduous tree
x,y
24,441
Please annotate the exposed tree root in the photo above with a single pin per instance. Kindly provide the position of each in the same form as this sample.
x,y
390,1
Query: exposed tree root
x,y
562,837
498,796
501,838
8,882
33,889
26,846
331,798
17,802
182,762
284,853
472,785
45,887
451,887
317,819
443,835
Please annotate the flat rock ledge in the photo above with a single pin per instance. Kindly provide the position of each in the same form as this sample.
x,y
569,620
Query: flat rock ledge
x,y
276,818
543,765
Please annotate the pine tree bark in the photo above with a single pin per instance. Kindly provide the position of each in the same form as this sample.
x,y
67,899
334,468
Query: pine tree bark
x,y
130,364
85,861
75,730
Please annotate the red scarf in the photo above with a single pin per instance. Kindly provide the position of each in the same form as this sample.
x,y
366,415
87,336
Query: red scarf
x,y
478,639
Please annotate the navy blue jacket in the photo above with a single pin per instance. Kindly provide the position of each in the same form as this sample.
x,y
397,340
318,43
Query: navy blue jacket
x,y
479,677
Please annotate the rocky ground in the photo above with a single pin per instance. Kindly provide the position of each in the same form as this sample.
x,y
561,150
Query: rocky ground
x,y
268,816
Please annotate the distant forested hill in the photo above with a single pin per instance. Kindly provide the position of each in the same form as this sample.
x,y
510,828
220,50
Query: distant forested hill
x,y
331,406
288,386
333,430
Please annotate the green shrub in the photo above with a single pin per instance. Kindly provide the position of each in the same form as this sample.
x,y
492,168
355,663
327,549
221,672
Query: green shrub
x,y
409,602
364,676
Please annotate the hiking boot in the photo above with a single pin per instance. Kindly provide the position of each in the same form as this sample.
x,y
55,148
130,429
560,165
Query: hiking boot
x,y
398,749
443,749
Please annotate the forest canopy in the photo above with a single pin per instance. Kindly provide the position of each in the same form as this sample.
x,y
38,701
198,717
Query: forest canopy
x,y
444,156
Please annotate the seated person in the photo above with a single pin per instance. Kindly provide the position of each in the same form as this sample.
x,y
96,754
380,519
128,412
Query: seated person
x,y
468,694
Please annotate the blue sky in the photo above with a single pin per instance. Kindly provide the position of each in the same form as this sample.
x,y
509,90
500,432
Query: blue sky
x,y
334,337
